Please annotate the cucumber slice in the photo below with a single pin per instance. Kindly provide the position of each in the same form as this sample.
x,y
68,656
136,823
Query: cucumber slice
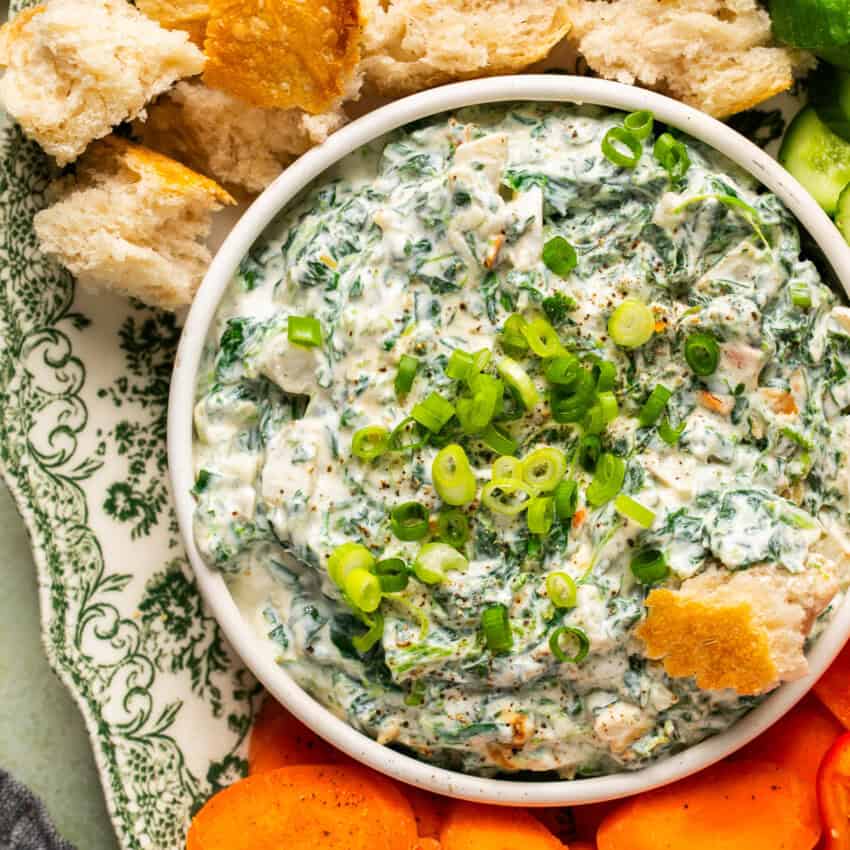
x,y
842,216
811,24
818,158
829,93
839,56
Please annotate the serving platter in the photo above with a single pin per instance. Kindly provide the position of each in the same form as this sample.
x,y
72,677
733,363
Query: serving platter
x,y
84,381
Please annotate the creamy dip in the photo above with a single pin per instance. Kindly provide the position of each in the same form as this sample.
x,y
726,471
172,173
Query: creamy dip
x,y
424,243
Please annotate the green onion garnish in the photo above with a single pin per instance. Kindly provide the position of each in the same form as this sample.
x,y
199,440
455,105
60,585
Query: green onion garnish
x,y
433,412
370,442
649,566
734,203
407,436
407,367
604,375
541,514
654,406
639,124
542,338
582,642
594,420
507,496
702,354
507,467
607,480
498,440
517,378
416,695
453,478
559,256
409,521
543,468
589,450
561,590
607,401
453,527
496,626
563,370
347,558
672,155
460,362
476,413
513,338
631,324
304,331
393,574
801,294
570,405
363,643
634,510
363,589
668,433
435,560
622,147
566,500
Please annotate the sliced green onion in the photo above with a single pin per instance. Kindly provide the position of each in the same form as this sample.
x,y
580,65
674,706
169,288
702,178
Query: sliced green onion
x,y
589,450
507,496
363,589
393,574
563,370
498,440
407,436
649,566
582,644
542,338
613,144
433,412
435,560
304,331
460,362
480,361
607,480
750,214
517,378
608,402
544,468
604,375
417,694
639,124
496,626
363,643
631,324
672,155
702,353
634,510
559,256
801,294
561,590
513,339
453,478
566,500
507,467
347,558
370,442
532,546
570,405
594,420
668,433
407,368
654,406
476,413
541,514
409,521
453,528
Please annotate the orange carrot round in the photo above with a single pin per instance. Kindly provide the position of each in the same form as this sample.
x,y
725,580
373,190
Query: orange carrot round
x,y
428,809
471,826
833,688
307,807
427,844
729,806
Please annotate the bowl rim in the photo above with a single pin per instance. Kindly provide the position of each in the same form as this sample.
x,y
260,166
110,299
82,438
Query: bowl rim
x,y
239,632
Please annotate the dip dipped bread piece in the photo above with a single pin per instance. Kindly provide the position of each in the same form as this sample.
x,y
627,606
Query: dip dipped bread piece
x,y
522,438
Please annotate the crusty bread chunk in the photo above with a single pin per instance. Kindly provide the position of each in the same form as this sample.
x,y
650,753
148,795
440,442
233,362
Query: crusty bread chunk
x,y
76,68
742,630
187,15
224,137
409,45
131,222
716,55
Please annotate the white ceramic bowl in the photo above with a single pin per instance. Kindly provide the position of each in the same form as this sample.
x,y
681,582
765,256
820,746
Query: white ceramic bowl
x,y
255,653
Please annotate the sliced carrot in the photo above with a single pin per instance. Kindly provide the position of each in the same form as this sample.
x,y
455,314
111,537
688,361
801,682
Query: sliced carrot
x,y
799,742
733,805
307,807
833,688
278,739
718,404
427,844
578,518
587,818
582,845
428,809
472,826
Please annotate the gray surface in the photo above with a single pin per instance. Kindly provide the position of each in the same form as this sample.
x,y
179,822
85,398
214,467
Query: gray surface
x,y
43,742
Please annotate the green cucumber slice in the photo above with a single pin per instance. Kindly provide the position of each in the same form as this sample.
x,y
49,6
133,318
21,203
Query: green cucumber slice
x,y
818,158
839,56
811,24
829,93
842,216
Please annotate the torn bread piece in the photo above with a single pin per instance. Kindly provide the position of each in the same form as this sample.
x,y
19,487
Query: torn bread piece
x,y
409,45
744,630
238,144
187,15
132,222
284,54
716,55
76,68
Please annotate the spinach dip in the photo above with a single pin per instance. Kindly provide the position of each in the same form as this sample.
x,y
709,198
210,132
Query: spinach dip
x,y
521,438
